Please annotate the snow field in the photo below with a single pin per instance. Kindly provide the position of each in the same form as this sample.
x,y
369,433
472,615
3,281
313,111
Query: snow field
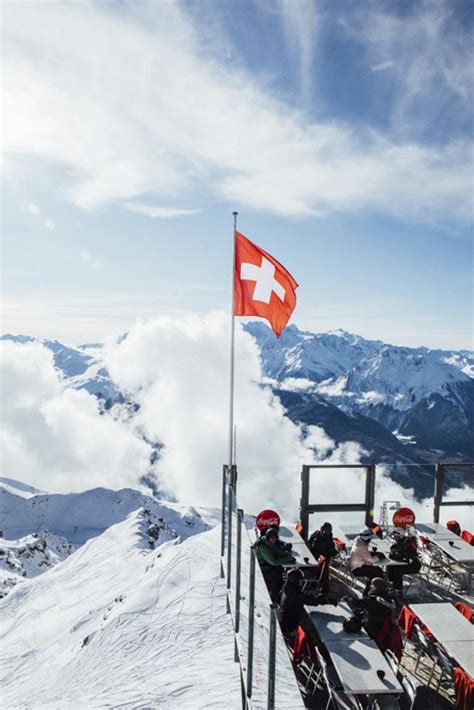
x,y
118,625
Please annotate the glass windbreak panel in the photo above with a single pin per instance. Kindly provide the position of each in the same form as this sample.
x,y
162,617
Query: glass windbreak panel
x,y
405,482
458,478
337,485
337,519
275,487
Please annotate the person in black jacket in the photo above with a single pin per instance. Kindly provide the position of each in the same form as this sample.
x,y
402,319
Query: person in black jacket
x,y
293,599
321,542
375,607
404,549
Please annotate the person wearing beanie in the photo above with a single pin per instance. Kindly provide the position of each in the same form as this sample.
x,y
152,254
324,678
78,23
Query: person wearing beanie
x,y
321,544
375,607
361,560
272,557
293,599
404,549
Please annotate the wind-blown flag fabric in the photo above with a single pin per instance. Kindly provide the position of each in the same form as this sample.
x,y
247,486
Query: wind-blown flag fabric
x,y
262,286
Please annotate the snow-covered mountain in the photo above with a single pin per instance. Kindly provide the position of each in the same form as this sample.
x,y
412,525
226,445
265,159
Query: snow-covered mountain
x,y
82,367
77,517
423,396
135,617
122,624
30,556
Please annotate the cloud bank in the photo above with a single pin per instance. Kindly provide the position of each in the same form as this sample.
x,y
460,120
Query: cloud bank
x,y
164,116
177,371
53,436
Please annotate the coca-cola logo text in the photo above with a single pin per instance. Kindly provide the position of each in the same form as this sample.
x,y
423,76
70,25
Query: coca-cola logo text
x,y
403,517
267,519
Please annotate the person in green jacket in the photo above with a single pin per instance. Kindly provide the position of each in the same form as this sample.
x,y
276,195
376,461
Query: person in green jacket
x,y
272,555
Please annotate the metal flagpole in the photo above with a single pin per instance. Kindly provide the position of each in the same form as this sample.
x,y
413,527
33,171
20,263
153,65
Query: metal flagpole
x,y
232,343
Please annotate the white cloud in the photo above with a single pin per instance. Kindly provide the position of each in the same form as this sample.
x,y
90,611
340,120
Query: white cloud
x,y
158,212
300,23
429,53
50,224
34,209
55,437
162,117
178,372
383,65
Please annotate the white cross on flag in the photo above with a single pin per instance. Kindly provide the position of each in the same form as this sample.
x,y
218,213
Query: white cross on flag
x,y
262,286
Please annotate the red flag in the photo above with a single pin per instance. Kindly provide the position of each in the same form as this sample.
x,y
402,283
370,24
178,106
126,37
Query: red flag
x,y
262,286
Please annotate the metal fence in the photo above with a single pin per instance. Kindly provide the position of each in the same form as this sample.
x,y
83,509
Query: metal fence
x,y
267,677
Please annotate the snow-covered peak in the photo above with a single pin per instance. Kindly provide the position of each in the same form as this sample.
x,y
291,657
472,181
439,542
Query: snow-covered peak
x,y
122,625
358,372
18,488
71,361
81,516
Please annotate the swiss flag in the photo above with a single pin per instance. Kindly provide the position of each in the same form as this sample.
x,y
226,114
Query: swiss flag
x,y
262,286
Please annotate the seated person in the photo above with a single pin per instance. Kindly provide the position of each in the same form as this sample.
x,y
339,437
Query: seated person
x,y
293,600
272,556
404,549
375,607
361,560
321,543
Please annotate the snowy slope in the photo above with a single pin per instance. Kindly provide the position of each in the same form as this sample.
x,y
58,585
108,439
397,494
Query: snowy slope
x,y
122,625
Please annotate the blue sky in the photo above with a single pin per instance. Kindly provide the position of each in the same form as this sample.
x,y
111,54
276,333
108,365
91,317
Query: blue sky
x,y
340,131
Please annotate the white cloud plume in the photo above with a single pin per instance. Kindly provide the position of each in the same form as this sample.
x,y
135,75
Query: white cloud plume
x,y
162,116
158,212
54,437
178,372
300,26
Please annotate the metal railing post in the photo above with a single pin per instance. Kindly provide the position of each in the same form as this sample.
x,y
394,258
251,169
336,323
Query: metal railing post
x,y
251,622
304,518
230,497
369,494
240,517
438,492
224,477
272,658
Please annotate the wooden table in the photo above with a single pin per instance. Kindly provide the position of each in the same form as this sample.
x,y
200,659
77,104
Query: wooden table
x,y
350,532
328,619
444,621
356,662
451,629
299,548
458,549
463,654
435,531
